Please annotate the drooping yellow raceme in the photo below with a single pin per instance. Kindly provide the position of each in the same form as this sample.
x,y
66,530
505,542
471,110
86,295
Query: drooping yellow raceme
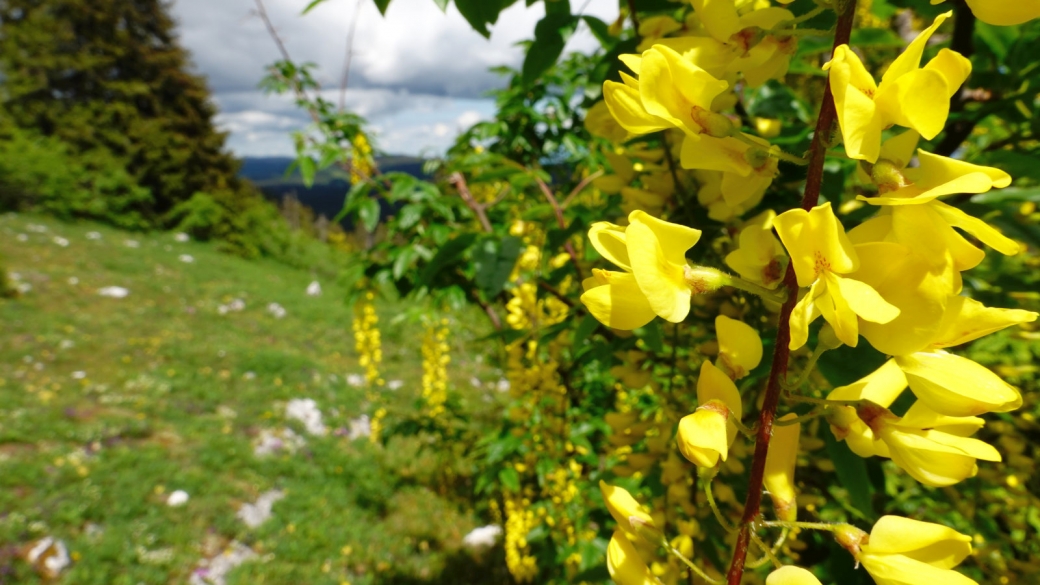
x,y
901,551
792,575
740,347
759,256
654,282
908,95
1003,12
820,252
706,435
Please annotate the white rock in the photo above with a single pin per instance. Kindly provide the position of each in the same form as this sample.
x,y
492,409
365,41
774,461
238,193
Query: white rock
x,y
23,287
271,442
50,556
482,537
503,385
360,428
22,237
255,514
215,571
355,380
131,243
394,384
181,237
276,310
79,375
114,292
186,258
177,498
306,411
93,235
32,227
237,305
73,280
64,243
314,289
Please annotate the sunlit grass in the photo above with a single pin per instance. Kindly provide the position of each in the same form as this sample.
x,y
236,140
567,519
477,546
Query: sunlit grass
x,y
111,404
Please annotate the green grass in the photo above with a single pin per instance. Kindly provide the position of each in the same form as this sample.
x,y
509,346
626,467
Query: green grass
x,y
173,396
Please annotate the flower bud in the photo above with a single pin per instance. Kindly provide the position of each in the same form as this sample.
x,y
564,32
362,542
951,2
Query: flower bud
x,y
780,465
712,124
887,176
703,436
623,507
851,538
791,575
625,565
704,279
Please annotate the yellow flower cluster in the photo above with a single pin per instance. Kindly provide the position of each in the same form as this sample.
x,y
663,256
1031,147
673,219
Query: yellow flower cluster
x,y
368,344
435,368
361,163
520,520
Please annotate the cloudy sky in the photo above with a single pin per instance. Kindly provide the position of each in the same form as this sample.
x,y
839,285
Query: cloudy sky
x,y
418,75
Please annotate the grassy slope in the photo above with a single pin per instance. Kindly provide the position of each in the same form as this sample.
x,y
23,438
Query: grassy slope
x,y
168,403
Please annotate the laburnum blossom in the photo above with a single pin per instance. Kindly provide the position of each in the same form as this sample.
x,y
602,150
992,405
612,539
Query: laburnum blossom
x,y
709,195
1003,12
651,252
740,347
747,171
625,565
934,449
780,465
706,435
792,575
759,257
901,551
820,253
738,44
670,92
623,507
918,219
908,95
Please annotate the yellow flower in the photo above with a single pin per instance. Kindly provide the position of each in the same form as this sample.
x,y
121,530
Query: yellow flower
x,y
746,171
1003,12
759,256
779,473
623,507
791,575
705,436
625,565
740,346
652,253
600,122
670,92
908,95
820,251
956,386
901,551
934,449
882,387
967,320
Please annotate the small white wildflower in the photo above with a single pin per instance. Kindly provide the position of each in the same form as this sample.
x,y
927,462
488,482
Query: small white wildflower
x,y
222,309
394,384
355,380
249,376
64,243
255,514
79,375
306,411
177,498
475,382
22,237
314,289
181,237
186,258
271,442
73,280
66,344
131,243
114,292
93,235
360,428
276,310
23,287
33,227
503,385
237,305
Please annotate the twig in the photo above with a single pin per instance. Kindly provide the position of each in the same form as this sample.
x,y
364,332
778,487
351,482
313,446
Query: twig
x,y
781,350
632,15
963,43
560,221
581,186
459,181
349,56
679,187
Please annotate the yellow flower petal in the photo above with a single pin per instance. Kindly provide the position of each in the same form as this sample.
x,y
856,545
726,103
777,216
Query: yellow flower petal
x,y
926,542
978,228
853,89
703,436
816,242
627,108
791,575
622,506
674,238
740,346
910,59
780,466
714,384
864,300
882,386
967,320
935,458
804,313
956,386
953,66
625,565
901,570
618,301
609,240
918,99
719,17
673,89
1005,13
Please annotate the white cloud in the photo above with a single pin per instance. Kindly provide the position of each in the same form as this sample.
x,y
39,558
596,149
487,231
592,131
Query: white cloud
x,y
414,73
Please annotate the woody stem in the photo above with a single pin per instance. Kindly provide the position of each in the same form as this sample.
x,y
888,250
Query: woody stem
x,y
782,351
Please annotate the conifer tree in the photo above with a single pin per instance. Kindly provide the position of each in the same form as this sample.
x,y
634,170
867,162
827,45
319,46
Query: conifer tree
x,y
110,74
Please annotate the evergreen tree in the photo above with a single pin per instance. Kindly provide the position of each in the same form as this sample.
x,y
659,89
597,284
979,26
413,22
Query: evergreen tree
x,y
109,74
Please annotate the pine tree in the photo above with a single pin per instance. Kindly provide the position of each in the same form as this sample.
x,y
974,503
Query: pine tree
x,y
109,74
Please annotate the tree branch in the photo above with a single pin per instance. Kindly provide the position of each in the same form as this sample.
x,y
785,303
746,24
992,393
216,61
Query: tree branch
x,y
964,43
781,350
460,184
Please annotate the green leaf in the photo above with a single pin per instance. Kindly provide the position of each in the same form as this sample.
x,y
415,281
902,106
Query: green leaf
x,y
585,329
600,30
550,35
368,212
495,260
310,6
382,4
404,261
852,473
445,255
480,13
307,170
442,4
509,479
409,216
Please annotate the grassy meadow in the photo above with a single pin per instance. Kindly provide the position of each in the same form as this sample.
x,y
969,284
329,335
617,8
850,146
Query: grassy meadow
x,y
111,405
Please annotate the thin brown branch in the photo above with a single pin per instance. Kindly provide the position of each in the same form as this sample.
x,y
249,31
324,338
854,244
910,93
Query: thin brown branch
x,y
459,181
781,349
963,42
556,293
560,221
632,15
581,187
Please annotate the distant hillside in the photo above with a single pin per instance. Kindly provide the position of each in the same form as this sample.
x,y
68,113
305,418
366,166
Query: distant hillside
x,y
325,196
